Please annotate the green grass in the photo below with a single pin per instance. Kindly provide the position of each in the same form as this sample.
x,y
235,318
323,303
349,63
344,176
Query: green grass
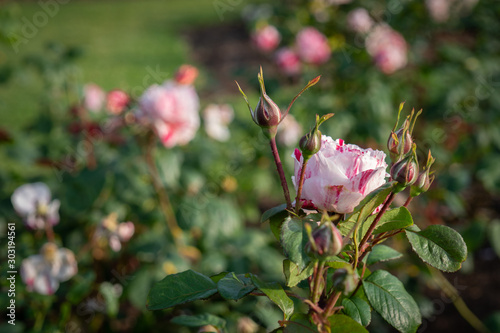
x,y
120,40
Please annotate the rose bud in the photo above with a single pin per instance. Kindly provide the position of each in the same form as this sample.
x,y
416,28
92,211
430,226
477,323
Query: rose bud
x,y
325,241
310,143
344,280
400,143
424,180
405,172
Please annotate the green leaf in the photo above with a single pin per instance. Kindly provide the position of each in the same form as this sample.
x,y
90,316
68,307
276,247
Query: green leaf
x,y
217,277
234,287
293,274
278,210
372,201
340,323
293,239
382,253
439,246
357,309
199,320
276,294
389,298
394,219
180,288
299,323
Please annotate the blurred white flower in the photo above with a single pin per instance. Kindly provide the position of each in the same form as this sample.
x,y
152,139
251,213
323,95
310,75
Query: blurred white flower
x,y
359,20
93,97
113,232
289,131
217,117
247,325
33,203
43,272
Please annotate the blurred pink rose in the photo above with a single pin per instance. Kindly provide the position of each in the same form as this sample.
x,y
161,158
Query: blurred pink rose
x,y
266,38
186,74
172,110
312,46
388,48
93,97
216,118
43,272
116,101
289,131
288,61
359,20
340,175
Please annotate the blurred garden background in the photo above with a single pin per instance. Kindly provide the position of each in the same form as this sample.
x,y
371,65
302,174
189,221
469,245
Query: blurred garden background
x,y
442,56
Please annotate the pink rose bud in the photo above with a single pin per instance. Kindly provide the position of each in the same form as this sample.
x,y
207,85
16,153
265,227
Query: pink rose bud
x,y
288,61
387,48
400,143
312,46
116,101
340,175
172,110
93,97
266,38
325,241
424,179
405,172
359,20
186,74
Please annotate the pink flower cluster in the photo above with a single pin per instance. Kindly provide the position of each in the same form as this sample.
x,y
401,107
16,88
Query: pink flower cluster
x,y
340,175
311,47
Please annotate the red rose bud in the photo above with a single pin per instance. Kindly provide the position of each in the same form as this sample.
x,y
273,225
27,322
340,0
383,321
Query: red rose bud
x,y
405,172
325,241
400,143
186,74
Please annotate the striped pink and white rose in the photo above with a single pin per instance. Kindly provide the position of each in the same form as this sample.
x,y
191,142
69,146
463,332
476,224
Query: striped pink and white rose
x,y
340,175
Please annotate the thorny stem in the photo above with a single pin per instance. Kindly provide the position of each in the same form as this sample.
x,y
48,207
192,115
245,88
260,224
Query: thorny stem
x,y
163,198
279,167
330,306
301,184
458,302
407,202
318,274
387,203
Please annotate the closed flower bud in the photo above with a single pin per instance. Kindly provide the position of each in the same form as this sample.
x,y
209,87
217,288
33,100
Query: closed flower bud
x,y
310,143
424,179
344,280
405,172
325,241
400,143
267,114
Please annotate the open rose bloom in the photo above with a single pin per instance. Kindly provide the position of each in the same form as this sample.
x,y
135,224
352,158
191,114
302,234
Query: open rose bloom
x,y
33,203
288,61
172,111
266,38
43,272
116,101
340,175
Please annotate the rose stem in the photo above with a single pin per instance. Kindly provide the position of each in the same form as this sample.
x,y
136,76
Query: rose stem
x,y
279,167
301,183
